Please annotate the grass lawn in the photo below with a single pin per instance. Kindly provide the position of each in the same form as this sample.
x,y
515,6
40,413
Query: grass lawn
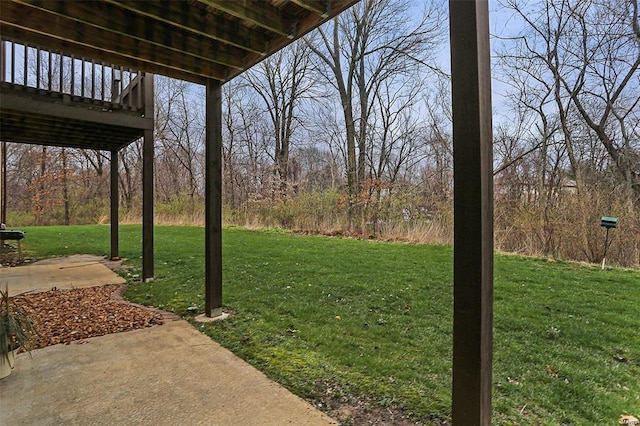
x,y
330,317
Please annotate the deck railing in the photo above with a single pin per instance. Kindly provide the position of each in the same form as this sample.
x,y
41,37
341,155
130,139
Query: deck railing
x,y
33,68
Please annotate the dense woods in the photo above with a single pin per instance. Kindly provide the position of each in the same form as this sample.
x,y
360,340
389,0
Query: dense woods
x,y
349,132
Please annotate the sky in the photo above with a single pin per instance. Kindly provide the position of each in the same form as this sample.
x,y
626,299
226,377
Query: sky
x,y
500,21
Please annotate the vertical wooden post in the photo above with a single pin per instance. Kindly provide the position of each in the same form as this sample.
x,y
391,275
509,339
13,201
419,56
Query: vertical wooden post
x,y
147,185
3,146
3,187
3,59
473,212
213,190
115,197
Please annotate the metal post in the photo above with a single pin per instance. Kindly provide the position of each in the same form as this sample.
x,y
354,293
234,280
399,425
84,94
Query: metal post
x,y
606,246
473,212
115,255
213,209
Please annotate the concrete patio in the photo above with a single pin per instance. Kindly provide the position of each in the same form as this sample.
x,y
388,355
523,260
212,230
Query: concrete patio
x,y
163,375
76,271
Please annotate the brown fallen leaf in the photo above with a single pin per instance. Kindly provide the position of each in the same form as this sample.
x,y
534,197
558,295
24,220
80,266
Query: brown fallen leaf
x,y
65,316
552,371
626,419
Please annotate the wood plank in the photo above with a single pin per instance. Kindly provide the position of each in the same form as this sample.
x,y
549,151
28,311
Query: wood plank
x,y
218,27
11,102
319,7
141,28
187,17
304,25
260,13
23,34
26,127
106,41
213,200
473,212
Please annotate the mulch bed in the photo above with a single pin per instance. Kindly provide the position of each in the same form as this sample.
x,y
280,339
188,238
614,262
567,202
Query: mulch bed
x,y
65,316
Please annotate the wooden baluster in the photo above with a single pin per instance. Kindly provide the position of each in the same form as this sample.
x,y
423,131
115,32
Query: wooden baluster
x,y
73,75
3,60
83,77
129,98
61,76
139,86
24,71
50,72
93,79
38,64
102,97
13,62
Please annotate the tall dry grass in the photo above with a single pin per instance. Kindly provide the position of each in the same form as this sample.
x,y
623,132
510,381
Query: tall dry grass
x,y
566,228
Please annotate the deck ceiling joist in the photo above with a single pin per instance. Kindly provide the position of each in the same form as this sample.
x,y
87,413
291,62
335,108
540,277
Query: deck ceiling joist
x,y
192,40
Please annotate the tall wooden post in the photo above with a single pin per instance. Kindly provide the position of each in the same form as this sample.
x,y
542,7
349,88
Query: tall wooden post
x,y
3,187
473,212
213,190
115,198
147,184
3,150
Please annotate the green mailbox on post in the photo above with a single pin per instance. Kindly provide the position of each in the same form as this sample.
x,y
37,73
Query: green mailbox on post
x,y
609,222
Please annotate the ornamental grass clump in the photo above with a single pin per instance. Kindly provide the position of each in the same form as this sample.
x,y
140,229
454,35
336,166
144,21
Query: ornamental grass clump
x,y
17,329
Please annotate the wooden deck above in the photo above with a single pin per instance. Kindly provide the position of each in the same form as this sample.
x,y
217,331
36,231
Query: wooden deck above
x,y
50,118
48,98
192,40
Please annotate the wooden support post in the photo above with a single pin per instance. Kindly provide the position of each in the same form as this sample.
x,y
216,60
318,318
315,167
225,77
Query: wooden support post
x,y
3,146
115,197
147,186
2,185
213,189
3,188
473,212
3,61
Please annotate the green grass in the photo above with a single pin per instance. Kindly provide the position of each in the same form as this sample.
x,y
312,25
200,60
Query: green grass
x,y
328,316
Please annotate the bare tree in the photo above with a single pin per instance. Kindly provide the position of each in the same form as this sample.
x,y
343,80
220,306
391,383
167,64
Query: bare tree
x,y
180,135
370,44
282,83
584,56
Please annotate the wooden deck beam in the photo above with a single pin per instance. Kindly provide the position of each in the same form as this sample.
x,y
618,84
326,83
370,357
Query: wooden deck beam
x,y
32,106
314,6
259,13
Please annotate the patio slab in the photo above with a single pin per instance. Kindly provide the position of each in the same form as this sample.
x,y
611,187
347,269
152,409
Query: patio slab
x,y
63,273
164,375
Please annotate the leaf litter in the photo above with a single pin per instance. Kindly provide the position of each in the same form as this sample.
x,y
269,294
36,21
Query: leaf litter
x,y
65,316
